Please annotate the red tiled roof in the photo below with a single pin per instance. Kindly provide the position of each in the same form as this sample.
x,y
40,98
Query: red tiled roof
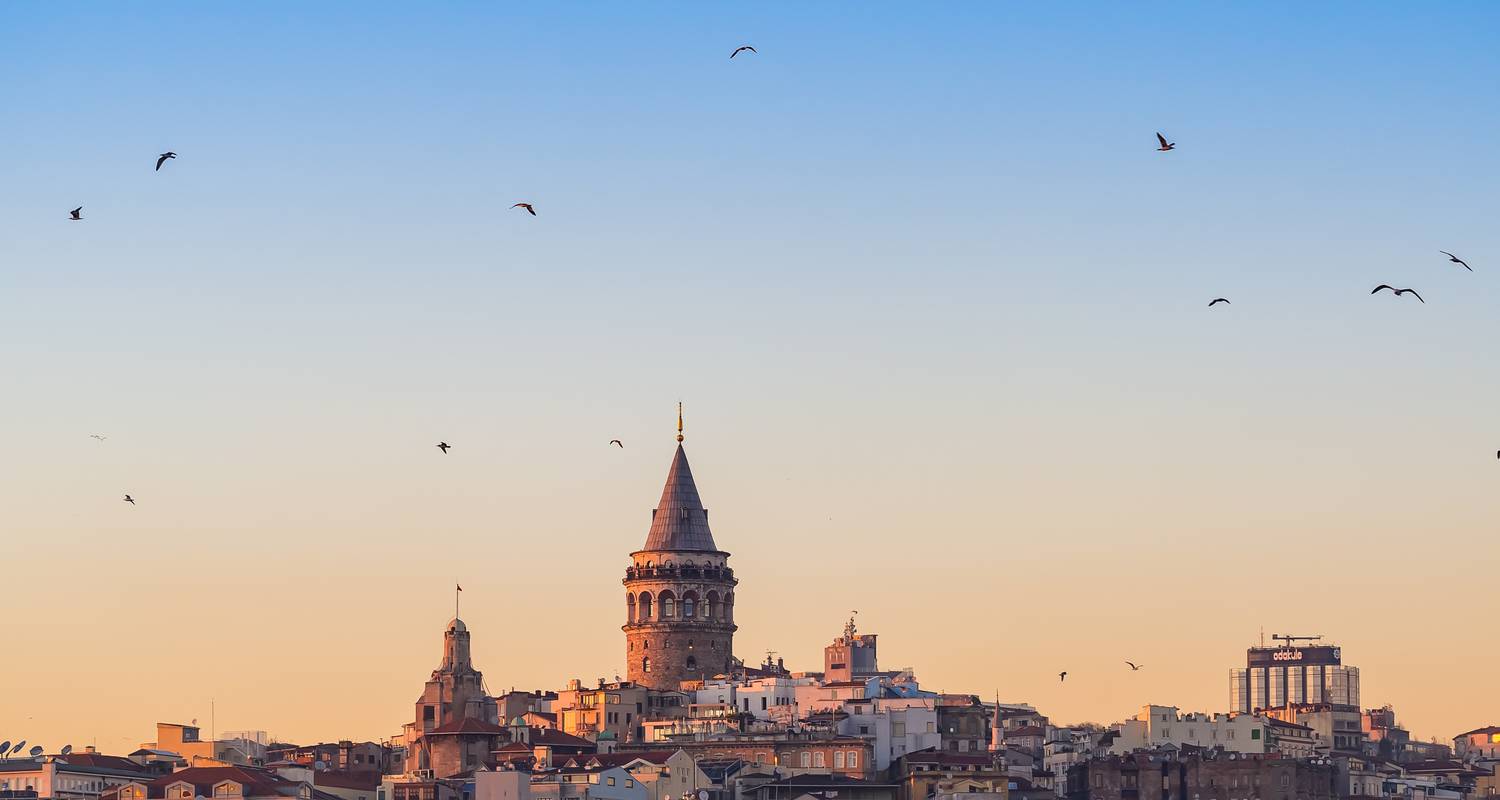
x,y
1485,729
658,757
101,761
339,779
256,782
556,738
950,759
467,725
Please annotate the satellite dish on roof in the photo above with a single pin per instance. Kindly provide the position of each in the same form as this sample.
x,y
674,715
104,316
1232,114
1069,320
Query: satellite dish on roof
x,y
67,748
35,751
702,794
18,747
319,765
4,747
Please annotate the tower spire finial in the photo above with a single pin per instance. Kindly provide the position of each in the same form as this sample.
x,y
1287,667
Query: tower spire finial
x,y
679,422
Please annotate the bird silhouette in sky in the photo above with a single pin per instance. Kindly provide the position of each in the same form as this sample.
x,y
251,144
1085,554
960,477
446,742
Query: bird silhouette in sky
x,y
526,206
76,214
742,49
1134,667
443,446
1455,259
1062,676
1218,300
131,500
617,443
1164,145
1398,292
162,159
97,436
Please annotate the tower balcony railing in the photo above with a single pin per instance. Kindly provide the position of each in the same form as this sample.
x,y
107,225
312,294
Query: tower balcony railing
x,y
697,573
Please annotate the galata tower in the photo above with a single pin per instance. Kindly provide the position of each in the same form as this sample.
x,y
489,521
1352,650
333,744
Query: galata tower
x,y
679,590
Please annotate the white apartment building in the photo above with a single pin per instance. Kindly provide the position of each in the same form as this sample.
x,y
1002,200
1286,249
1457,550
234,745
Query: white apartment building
x,y
898,725
758,696
1161,725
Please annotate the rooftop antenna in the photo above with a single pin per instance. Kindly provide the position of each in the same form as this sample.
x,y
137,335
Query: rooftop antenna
x,y
67,748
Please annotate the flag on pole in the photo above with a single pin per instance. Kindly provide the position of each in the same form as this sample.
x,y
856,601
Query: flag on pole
x,y
460,588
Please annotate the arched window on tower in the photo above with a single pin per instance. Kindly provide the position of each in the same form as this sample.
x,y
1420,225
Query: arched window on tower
x,y
729,606
630,607
668,605
712,611
644,607
692,662
689,604
646,664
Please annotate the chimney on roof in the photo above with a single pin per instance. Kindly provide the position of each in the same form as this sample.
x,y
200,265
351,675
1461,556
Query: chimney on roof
x,y
601,683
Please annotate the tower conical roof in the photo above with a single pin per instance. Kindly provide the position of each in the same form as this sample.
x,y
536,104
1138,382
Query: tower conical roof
x,y
680,522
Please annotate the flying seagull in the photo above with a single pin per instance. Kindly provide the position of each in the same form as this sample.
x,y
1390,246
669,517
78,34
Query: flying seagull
x,y
1455,259
162,159
1398,292
739,50
1134,667
1164,146
443,446
1218,300
617,443
129,499
526,206
1062,676
76,214
97,436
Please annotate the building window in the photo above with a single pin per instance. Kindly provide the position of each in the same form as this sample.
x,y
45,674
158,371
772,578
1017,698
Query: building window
x,y
610,781
838,759
646,664
687,608
818,760
1255,734
853,759
668,606
806,760
692,662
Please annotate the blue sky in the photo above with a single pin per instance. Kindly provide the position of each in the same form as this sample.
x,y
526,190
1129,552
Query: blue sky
x,y
917,271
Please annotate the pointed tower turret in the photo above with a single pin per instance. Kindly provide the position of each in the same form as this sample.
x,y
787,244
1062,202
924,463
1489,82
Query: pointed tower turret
x,y
679,590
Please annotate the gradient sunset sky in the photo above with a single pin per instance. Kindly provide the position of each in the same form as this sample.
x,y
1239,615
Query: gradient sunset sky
x,y
935,305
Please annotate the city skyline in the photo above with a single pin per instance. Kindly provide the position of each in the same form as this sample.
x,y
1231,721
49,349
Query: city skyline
x,y
935,301
1094,674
